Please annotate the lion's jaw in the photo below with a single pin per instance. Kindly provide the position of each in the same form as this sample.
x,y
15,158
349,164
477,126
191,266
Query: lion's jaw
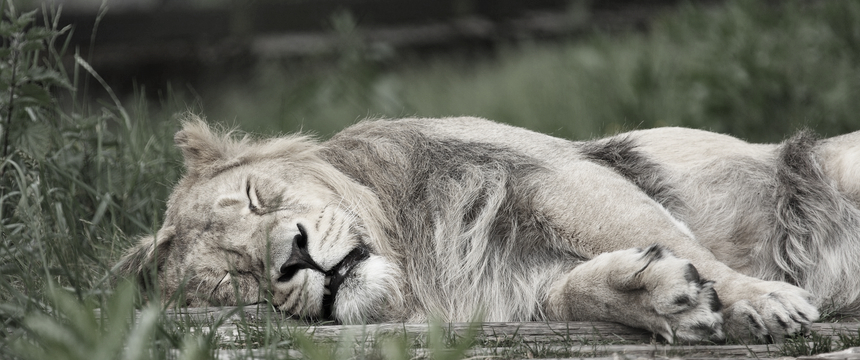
x,y
325,270
369,290
362,291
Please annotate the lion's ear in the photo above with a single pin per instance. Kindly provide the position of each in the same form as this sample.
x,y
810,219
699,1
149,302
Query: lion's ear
x,y
143,260
199,144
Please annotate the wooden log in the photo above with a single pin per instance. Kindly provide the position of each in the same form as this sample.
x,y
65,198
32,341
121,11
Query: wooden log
x,y
650,351
578,332
492,339
847,354
227,318
597,352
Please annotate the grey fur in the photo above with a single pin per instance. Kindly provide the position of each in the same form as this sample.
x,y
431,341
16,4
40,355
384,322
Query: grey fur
x,y
443,195
621,154
807,209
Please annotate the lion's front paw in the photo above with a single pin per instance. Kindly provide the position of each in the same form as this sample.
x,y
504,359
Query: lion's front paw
x,y
650,289
782,310
683,306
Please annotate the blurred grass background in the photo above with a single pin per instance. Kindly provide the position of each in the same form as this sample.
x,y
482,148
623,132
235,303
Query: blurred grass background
x,y
83,175
752,69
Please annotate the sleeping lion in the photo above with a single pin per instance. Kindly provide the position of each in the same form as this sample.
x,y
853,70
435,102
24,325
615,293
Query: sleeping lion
x,y
689,234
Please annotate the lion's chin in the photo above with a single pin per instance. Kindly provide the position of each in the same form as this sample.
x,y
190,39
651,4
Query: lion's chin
x,y
301,297
369,292
362,288
338,274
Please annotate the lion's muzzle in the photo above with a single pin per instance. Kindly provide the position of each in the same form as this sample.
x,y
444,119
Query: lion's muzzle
x,y
299,257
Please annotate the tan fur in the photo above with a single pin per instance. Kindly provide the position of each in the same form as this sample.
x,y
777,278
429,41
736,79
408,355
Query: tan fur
x,y
455,217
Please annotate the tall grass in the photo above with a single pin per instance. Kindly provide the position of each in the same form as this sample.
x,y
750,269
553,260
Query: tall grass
x,y
80,179
76,183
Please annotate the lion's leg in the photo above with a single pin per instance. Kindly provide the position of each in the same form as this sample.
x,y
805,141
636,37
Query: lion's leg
x,y
612,214
650,289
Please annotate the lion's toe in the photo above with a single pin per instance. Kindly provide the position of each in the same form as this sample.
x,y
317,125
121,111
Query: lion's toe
x,y
681,289
701,322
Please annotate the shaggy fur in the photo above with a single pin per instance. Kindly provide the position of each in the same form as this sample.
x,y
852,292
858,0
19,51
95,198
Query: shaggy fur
x,y
681,232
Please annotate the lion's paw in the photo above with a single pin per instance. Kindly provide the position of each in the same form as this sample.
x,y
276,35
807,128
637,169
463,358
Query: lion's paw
x,y
674,284
783,310
683,306
702,322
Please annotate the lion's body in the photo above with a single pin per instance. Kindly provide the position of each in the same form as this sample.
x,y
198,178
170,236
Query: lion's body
x,y
787,212
403,220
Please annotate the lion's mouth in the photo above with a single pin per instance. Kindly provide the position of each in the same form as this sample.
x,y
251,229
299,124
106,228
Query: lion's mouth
x,y
335,276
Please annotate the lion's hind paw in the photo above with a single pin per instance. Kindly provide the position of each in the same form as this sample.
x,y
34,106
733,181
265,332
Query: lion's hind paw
x,y
772,316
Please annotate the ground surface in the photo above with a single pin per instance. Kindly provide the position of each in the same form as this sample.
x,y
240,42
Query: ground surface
x,y
496,340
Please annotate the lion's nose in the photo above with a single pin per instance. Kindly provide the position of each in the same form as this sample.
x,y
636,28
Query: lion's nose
x,y
299,257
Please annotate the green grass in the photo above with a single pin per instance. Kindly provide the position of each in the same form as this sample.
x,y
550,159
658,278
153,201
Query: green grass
x,y
80,178
812,344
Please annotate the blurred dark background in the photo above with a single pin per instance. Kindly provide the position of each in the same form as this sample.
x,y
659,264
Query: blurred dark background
x,y
156,42
574,68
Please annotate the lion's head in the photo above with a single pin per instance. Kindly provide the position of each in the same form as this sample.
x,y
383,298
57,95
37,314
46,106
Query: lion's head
x,y
257,220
